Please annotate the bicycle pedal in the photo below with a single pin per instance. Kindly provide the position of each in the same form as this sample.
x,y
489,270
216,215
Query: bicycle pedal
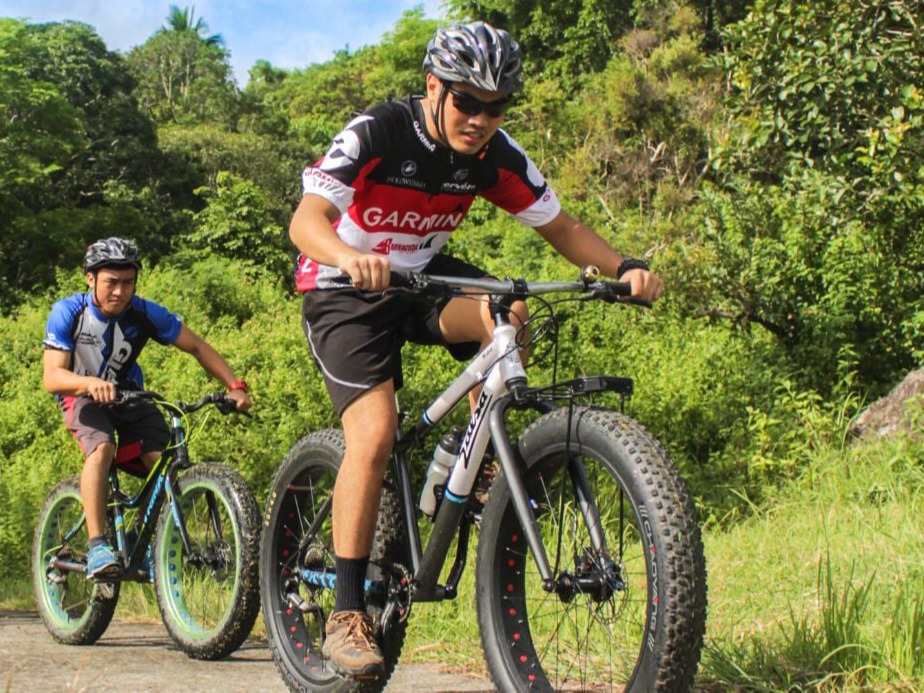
x,y
107,575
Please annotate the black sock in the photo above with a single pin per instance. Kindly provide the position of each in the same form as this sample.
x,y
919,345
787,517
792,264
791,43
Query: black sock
x,y
95,541
351,576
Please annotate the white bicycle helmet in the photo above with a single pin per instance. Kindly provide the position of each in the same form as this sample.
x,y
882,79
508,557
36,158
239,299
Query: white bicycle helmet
x,y
476,54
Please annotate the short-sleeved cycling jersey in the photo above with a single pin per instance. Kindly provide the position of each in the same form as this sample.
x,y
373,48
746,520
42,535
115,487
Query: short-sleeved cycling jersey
x,y
106,347
401,194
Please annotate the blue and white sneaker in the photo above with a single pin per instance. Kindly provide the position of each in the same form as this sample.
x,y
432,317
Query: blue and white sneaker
x,y
102,562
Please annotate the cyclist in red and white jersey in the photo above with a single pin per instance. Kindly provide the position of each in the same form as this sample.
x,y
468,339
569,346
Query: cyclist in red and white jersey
x,y
392,187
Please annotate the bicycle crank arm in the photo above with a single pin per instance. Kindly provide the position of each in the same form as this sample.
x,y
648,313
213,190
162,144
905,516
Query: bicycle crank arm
x,y
69,566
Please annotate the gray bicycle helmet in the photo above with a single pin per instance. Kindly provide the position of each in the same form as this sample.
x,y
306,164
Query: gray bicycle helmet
x,y
476,54
111,252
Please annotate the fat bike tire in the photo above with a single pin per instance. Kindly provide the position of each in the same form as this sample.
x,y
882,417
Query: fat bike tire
x,y
75,610
295,611
628,617
209,595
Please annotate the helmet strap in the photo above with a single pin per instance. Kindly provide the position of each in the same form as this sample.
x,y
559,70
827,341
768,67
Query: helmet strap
x,y
95,273
439,114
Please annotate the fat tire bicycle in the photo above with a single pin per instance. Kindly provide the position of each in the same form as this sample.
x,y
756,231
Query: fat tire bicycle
x,y
589,572
196,527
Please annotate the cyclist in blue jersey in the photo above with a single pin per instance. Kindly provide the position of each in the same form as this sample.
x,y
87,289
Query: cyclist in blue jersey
x,y
92,342
393,186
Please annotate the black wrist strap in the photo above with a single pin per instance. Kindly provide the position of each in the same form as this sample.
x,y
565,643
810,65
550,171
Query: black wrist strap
x,y
630,263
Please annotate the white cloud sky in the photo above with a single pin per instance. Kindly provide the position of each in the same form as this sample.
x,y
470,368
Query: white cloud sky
x,y
287,33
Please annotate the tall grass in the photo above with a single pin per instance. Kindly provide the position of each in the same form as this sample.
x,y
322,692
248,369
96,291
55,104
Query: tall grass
x,y
825,591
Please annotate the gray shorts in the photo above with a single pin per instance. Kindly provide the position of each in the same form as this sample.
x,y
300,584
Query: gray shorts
x,y
356,337
138,425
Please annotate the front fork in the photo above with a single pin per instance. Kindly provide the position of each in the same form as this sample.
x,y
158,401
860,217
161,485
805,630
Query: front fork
x,y
577,473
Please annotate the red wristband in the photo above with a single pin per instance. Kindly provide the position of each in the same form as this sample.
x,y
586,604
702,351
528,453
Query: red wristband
x,y
239,385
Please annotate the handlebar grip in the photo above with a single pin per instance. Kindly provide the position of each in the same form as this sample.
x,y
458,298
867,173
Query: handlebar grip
x,y
400,279
636,302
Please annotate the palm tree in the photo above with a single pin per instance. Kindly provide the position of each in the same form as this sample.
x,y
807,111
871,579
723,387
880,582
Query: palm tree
x,y
182,20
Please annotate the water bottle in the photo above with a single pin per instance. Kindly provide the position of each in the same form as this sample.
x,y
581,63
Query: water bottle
x,y
444,457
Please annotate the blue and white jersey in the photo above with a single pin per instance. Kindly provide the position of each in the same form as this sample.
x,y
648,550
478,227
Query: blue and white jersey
x,y
104,347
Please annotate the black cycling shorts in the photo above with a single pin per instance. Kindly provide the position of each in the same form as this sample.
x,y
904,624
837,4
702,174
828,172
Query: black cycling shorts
x,y
356,337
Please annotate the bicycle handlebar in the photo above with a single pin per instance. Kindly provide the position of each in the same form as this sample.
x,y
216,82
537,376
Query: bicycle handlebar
x,y
588,284
222,402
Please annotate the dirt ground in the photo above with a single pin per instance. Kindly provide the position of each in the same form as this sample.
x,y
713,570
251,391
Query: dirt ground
x,y
141,657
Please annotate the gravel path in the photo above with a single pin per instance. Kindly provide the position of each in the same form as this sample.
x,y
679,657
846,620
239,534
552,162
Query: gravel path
x,y
141,657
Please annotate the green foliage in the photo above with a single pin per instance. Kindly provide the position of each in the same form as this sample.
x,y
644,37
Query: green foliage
x,y
561,39
319,100
238,223
39,129
815,232
564,40
835,604
208,149
80,154
635,143
813,81
183,78
118,137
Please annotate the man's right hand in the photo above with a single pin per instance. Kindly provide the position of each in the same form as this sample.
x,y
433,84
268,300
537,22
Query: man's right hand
x,y
368,272
101,390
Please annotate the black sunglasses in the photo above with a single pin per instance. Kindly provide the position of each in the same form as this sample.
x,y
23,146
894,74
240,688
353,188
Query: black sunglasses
x,y
472,106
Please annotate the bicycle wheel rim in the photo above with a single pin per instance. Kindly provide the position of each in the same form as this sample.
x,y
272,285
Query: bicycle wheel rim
x,y
591,640
66,596
299,632
201,585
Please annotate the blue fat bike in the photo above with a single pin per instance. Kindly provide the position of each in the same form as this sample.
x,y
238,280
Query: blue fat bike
x,y
192,529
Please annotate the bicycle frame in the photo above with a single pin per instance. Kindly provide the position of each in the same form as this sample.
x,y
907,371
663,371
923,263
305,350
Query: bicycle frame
x,y
159,487
500,371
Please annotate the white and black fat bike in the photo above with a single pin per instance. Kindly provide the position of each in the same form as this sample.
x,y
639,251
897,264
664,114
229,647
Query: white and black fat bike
x,y
589,573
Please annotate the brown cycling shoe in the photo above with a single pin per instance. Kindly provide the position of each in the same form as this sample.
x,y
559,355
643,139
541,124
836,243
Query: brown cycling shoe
x,y
350,645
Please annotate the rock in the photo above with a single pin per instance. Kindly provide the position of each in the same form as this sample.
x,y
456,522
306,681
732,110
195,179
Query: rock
x,y
893,412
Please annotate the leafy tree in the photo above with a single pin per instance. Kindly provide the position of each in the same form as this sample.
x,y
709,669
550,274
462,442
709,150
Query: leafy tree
x,y
183,77
319,100
560,39
816,231
119,140
567,39
181,21
39,128
240,222
80,152
394,67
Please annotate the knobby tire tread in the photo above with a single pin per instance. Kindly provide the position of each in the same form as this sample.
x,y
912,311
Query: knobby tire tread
x,y
101,609
246,606
389,546
658,487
